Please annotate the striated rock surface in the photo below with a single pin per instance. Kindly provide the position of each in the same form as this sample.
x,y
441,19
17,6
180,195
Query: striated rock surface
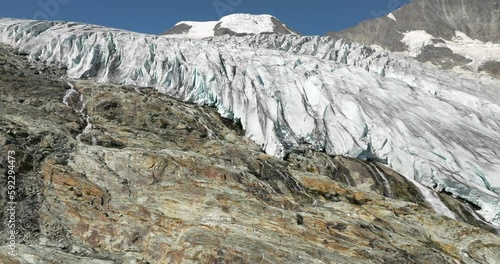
x,y
121,174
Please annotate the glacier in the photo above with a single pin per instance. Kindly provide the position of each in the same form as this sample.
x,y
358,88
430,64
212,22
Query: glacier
x,y
293,93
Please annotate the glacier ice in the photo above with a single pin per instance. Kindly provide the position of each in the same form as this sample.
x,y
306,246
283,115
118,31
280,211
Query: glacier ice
x,y
436,127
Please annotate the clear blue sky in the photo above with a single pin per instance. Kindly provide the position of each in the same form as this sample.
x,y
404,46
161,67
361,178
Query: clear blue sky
x,y
309,17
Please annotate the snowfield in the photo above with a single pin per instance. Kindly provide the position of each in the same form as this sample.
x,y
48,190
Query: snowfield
x,y
473,49
439,128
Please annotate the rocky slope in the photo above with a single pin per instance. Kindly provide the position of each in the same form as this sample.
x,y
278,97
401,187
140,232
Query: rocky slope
x,y
121,174
447,33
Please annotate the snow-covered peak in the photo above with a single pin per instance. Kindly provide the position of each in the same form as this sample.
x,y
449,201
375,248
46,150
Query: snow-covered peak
x,y
293,93
246,23
235,24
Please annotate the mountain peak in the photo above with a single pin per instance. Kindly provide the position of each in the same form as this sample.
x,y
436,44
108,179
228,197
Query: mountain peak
x,y
234,24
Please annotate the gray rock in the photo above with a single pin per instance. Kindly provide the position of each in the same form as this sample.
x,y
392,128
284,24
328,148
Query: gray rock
x,y
218,30
178,29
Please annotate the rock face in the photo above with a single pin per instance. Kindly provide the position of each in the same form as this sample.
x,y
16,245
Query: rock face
x,y
121,174
233,25
442,25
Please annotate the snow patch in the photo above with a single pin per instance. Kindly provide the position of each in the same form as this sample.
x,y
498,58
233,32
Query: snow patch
x,y
416,41
473,49
391,16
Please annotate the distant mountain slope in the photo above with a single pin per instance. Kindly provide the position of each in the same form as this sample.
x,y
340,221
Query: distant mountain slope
x,y
236,24
448,33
